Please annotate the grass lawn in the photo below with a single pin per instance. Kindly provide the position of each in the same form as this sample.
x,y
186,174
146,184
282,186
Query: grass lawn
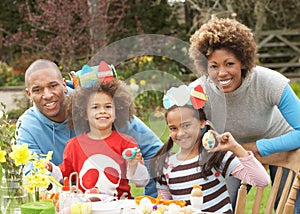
x,y
159,127
250,200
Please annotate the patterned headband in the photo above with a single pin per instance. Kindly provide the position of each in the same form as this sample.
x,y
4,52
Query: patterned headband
x,y
184,95
88,75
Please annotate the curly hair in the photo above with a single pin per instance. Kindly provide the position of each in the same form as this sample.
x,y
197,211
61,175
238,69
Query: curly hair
x,y
78,100
223,33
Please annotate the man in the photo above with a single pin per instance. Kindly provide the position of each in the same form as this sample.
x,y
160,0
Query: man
x,y
44,126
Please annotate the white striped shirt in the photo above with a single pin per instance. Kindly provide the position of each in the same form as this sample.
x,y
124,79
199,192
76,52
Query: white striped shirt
x,y
181,176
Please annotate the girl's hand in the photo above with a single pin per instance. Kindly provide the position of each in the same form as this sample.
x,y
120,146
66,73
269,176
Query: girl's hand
x,y
226,142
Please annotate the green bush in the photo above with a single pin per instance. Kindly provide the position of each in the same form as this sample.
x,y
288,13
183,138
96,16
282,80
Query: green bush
x,y
9,76
296,87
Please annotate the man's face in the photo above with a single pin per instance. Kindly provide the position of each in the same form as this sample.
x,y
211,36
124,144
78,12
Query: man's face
x,y
47,90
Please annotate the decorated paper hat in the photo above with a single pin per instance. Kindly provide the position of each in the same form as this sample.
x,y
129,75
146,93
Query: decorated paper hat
x,y
184,95
88,75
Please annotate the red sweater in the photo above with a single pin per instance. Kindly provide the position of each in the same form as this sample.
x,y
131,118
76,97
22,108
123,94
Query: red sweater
x,y
99,163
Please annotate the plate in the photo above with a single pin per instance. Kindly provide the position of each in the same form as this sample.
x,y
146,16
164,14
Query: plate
x,y
101,207
100,197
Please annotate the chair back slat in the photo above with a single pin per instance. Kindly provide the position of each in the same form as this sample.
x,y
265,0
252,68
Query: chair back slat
x,y
258,199
242,195
274,191
289,160
290,204
285,192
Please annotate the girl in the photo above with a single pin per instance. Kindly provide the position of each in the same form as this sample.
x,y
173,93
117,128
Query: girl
x,y
176,174
96,154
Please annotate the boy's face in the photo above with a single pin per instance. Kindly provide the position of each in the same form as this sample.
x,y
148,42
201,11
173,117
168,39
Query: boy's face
x,y
101,114
47,90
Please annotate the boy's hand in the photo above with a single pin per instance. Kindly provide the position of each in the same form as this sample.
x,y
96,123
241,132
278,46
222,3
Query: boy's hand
x,y
49,166
137,158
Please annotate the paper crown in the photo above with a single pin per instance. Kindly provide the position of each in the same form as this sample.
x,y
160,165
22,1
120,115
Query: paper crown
x,y
88,75
184,95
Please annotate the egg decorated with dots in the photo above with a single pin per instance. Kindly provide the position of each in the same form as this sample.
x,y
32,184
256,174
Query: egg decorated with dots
x,y
129,153
208,140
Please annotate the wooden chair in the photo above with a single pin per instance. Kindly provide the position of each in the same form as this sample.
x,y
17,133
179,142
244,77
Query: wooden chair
x,y
289,160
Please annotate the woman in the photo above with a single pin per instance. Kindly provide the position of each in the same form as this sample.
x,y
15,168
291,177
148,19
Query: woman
x,y
257,103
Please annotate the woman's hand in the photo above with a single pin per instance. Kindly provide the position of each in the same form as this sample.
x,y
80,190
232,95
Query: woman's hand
x,y
255,152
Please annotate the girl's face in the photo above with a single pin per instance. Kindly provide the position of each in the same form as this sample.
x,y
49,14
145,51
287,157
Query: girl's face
x,y
101,114
185,129
225,69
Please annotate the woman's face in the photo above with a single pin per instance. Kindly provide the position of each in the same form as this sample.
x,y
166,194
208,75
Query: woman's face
x,y
225,70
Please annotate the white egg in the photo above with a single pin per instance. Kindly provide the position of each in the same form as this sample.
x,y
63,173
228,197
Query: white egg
x,y
174,208
145,201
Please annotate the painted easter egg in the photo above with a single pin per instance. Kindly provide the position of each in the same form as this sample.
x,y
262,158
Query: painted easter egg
x,y
129,153
208,140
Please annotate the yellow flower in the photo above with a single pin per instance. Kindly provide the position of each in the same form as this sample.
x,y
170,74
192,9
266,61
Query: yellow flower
x,y
30,189
49,156
44,181
20,154
39,163
143,82
132,81
150,58
2,156
147,59
38,176
38,180
30,178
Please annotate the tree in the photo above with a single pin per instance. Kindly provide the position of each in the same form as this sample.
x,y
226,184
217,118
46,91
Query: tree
x,y
67,30
148,17
10,20
256,14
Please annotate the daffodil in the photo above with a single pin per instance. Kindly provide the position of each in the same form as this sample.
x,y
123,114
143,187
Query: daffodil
x,y
38,176
49,156
14,157
30,189
39,164
20,154
2,156
12,161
